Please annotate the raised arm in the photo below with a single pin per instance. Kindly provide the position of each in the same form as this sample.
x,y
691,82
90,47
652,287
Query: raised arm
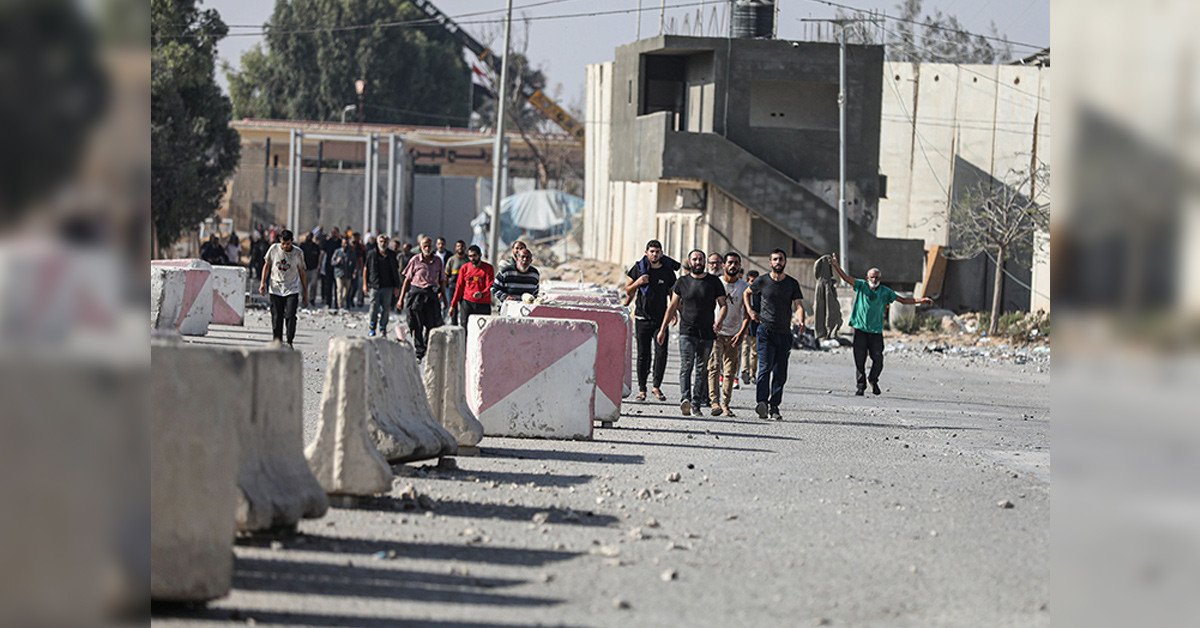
x,y
838,268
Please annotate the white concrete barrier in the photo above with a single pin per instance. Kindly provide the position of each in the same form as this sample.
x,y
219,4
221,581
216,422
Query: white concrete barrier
x,y
229,295
198,396
445,384
532,377
398,413
181,296
277,488
342,456
613,334
553,285
606,298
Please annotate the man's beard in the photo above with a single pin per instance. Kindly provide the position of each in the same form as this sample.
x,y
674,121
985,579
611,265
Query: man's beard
x,y
873,284
697,269
777,267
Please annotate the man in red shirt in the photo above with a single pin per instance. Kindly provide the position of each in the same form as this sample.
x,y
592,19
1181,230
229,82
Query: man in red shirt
x,y
473,289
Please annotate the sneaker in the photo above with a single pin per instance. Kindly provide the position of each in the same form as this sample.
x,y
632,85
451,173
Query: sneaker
x,y
736,385
697,411
875,388
685,407
761,409
775,413
716,410
371,333
858,392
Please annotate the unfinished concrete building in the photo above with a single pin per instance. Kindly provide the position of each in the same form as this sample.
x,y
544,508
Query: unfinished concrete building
x,y
732,144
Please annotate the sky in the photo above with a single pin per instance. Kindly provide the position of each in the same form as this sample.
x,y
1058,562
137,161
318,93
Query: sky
x,y
563,47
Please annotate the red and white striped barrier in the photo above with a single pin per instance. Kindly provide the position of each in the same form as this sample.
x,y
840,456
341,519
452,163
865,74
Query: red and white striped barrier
x,y
532,377
613,336
181,296
229,295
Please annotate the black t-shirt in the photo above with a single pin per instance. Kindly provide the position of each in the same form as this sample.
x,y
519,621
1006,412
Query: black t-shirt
x,y
312,254
328,246
651,301
697,309
775,311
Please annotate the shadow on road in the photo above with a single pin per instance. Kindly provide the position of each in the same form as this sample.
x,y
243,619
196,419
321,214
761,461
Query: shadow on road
x,y
569,456
292,618
426,551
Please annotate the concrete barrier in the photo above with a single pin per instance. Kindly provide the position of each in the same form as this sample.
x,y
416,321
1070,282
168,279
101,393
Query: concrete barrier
x,y
181,296
532,377
277,488
229,295
197,395
445,384
516,309
581,297
556,285
342,456
399,417
613,336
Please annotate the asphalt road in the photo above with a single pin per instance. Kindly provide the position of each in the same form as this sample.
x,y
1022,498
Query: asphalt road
x,y
852,511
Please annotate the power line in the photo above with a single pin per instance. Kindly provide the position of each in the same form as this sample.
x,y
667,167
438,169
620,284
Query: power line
x,y
933,26
431,21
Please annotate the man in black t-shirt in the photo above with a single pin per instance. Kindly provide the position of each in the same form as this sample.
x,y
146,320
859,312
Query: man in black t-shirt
x,y
780,298
696,296
650,282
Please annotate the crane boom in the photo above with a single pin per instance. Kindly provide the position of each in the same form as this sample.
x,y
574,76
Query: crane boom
x,y
532,95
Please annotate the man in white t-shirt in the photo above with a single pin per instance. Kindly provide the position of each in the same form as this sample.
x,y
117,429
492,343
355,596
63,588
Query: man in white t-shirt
x,y
723,362
284,269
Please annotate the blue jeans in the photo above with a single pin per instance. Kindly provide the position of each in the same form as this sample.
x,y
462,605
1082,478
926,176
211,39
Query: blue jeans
x,y
774,347
382,302
693,358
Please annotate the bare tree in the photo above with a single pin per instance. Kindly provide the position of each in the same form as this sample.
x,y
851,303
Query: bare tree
x,y
552,162
1000,218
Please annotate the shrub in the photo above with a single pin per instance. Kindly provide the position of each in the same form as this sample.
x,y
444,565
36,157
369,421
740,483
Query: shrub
x,y
1008,320
909,324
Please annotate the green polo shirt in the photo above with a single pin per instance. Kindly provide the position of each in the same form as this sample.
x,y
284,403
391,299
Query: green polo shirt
x,y
869,305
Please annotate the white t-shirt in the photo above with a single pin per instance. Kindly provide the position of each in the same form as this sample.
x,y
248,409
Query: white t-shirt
x,y
285,269
734,311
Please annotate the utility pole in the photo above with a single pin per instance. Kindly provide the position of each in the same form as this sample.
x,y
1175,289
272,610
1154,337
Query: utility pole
x,y
498,147
843,232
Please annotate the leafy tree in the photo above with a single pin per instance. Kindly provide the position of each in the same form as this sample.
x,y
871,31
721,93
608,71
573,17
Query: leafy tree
x,y
193,149
315,50
1000,218
937,38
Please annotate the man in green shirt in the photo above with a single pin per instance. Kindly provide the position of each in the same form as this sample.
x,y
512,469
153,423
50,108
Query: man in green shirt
x,y
870,299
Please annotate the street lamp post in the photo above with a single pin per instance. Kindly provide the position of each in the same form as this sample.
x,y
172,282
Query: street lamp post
x,y
347,109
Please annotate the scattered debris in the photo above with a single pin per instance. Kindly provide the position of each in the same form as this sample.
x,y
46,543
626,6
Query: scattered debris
x,y
669,575
541,517
1004,503
673,476
620,603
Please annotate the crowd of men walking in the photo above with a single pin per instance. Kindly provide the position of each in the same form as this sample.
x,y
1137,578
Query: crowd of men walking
x,y
734,326
346,270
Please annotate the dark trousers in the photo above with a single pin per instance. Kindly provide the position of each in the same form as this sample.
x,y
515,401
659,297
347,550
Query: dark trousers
x,y
644,333
467,309
693,368
774,348
424,313
382,300
283,310
866,343
327,289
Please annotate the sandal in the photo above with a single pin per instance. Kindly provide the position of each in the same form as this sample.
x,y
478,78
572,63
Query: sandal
x,y
659,395
641,396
